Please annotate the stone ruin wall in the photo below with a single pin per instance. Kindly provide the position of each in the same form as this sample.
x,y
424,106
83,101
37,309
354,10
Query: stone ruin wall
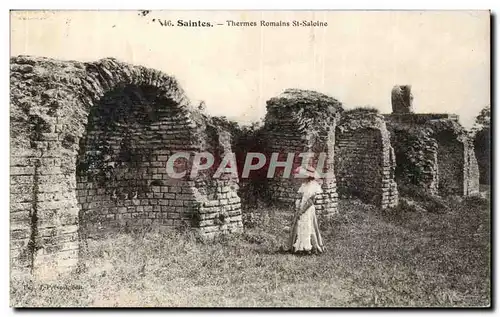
x,y
121,171
451,164
402,99
90,141
219,205
482,147
290,130
433,151
416,157
471,170
457,164
364,160
51,105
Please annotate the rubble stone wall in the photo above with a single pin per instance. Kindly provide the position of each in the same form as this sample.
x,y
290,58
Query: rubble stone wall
x,y
416,157
301,121
482,148
402,99
69,118
451,164
364,160
471,170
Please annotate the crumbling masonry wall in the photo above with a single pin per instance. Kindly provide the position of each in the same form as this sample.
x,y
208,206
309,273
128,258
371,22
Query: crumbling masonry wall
x,y
482,147
434,153
89,142
121,170
300,121
402,99
365,160
457,164
471,170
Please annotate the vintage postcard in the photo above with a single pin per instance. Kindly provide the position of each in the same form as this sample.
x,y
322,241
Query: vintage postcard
x,y
250,159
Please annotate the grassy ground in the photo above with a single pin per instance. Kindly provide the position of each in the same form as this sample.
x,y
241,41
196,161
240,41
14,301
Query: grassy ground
x,y
400,257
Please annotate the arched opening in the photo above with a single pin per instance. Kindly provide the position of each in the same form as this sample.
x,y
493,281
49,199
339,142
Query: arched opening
x,y
450,157
122,179
92,155
416,159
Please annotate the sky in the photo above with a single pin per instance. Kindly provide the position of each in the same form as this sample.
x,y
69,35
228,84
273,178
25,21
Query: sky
x,y
357,58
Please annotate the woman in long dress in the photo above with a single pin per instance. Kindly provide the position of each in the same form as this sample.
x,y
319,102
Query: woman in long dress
x,y
305,236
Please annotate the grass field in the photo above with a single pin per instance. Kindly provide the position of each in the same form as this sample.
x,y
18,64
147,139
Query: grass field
x,y
401,257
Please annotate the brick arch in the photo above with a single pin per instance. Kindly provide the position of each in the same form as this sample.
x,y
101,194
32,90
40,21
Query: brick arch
x,y
51,105
451,163
122,181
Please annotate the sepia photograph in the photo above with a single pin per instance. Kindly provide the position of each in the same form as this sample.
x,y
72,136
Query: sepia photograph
x,y
163,158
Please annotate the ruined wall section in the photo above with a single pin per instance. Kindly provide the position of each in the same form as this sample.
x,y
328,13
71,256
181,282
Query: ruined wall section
x,y
471,170
364,159
457,165
50,105
482,148
416,156
122,167
300,121
219,211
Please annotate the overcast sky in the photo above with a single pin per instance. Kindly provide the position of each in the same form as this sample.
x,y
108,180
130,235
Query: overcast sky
x,y
357,58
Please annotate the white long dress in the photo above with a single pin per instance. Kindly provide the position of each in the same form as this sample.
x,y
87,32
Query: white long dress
x,y
305,235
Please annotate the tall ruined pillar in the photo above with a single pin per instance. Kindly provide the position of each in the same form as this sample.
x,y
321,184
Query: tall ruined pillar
x,y
402,99
433,150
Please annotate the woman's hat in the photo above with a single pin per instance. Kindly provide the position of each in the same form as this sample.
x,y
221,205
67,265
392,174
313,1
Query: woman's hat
x,y
301,172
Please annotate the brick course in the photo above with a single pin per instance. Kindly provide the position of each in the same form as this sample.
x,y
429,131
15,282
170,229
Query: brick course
x,y
89,143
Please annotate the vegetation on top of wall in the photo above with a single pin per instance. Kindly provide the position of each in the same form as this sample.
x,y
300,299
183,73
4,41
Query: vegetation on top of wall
x,y
223,123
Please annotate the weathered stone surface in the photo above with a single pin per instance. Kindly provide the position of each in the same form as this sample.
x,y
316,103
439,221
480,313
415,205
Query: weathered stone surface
x,y
435,153
89,144
402,99
300,121
482,147
364,158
